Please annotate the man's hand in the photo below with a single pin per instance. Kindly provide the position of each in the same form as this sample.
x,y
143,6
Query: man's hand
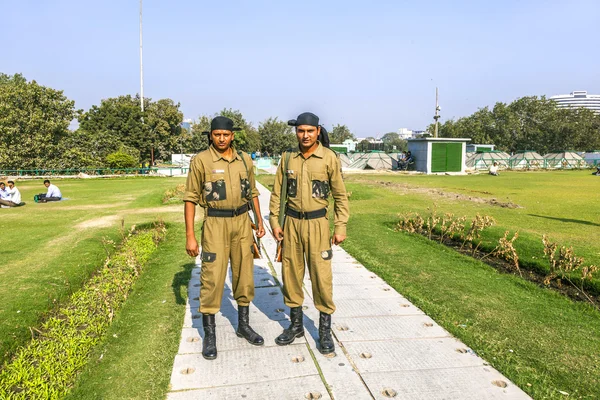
x,y
260,232
191,246
278,233
338,239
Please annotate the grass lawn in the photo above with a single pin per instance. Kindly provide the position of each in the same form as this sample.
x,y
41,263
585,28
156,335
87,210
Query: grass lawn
x,y
53,248
542,341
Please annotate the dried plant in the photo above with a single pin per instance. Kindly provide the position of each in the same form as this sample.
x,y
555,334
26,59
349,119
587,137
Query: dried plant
x,y
506,250
447,220
563,262
431,222
411,223
478,224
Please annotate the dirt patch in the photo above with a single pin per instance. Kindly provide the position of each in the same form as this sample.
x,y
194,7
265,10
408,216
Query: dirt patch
x,y
432,192
101,222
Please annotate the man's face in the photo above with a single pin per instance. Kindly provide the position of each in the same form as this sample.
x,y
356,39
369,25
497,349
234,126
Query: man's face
x,y
11,185
307,136
46,184
222,139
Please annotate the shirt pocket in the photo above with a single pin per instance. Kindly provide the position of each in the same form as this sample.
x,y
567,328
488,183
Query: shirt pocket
x,y
292,183
320,185
245,188
214,188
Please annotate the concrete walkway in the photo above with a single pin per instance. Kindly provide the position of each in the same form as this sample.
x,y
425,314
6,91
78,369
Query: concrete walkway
x,y
385,346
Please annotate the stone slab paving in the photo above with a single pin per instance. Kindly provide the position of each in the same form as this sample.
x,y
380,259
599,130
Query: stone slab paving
x,y
385,346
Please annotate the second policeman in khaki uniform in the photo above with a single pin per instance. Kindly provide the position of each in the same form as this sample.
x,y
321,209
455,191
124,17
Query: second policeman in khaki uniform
x,y
222,182
313,173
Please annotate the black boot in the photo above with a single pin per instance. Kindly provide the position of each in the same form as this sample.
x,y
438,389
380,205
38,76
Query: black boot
x,y
295,330
209,345
244,330
325,339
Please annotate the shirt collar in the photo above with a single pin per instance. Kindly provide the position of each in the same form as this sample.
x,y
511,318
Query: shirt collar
x,y
317,153
216,156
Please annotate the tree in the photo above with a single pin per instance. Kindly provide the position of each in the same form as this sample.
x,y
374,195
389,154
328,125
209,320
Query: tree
x,y
247,139
392,141
276,136
529,123
33,120
121,117
339,133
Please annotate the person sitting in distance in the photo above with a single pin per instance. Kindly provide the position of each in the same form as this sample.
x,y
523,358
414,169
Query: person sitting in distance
x,y
14,196
406,161
53,193
3,192
494,169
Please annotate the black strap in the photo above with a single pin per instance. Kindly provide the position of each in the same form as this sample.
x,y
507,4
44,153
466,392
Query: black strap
x,y
306,214
217,212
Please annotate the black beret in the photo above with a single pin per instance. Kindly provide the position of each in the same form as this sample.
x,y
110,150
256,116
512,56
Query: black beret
x,y
222,123
306,118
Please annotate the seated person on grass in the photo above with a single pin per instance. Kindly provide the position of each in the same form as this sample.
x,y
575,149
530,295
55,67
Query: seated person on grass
x,y
597,173
494,169
3,192
53,193
14,196
406,161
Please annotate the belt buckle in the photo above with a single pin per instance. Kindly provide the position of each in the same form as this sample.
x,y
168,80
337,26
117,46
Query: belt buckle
x,y
303,215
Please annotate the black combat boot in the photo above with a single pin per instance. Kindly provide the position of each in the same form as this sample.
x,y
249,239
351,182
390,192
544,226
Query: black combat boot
x,y
295,330
209,345
325,339
244,330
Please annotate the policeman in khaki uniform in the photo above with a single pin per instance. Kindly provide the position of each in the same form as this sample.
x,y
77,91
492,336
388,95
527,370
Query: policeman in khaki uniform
x,y
219,182
313,172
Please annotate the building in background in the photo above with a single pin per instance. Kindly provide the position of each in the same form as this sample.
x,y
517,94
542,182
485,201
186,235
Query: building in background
x,y
187,124
578,98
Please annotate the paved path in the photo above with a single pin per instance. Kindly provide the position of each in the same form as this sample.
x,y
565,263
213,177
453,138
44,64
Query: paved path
x,y
385,346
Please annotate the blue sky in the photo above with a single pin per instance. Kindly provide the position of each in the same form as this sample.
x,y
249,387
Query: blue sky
x,y
372,65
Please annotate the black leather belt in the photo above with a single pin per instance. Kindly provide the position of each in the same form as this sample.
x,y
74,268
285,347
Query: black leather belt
x,y
306,214
217,212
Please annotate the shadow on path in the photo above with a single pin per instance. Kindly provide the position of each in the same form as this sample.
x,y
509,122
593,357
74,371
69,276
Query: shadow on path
x,y
180,283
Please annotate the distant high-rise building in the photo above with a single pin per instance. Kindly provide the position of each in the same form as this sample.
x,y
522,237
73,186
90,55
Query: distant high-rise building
x,y
578,98
187,124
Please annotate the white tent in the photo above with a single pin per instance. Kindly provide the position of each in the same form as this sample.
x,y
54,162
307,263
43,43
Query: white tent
x,y
527,160
373,160
486,159
564,159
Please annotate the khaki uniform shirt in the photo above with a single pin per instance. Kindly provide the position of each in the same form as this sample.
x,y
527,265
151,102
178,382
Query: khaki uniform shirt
x,y
310,181
216,182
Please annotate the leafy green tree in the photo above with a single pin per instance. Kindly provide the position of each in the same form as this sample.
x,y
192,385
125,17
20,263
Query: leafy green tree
x,y
529,123
121,159
33,120
339,133
393,142
247,139
198,140
155,133
276,136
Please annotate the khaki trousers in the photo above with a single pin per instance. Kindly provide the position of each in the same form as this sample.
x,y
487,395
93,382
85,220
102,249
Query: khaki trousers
x,y
307,240
225,239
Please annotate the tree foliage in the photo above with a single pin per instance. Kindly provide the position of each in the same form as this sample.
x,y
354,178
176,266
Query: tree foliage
x,y
155,132
339,133
33,120
528,123
393,142
247,139
276,136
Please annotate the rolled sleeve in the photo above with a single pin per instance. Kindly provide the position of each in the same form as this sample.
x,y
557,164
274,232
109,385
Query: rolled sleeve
x,y
341,206
274,202
195,181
